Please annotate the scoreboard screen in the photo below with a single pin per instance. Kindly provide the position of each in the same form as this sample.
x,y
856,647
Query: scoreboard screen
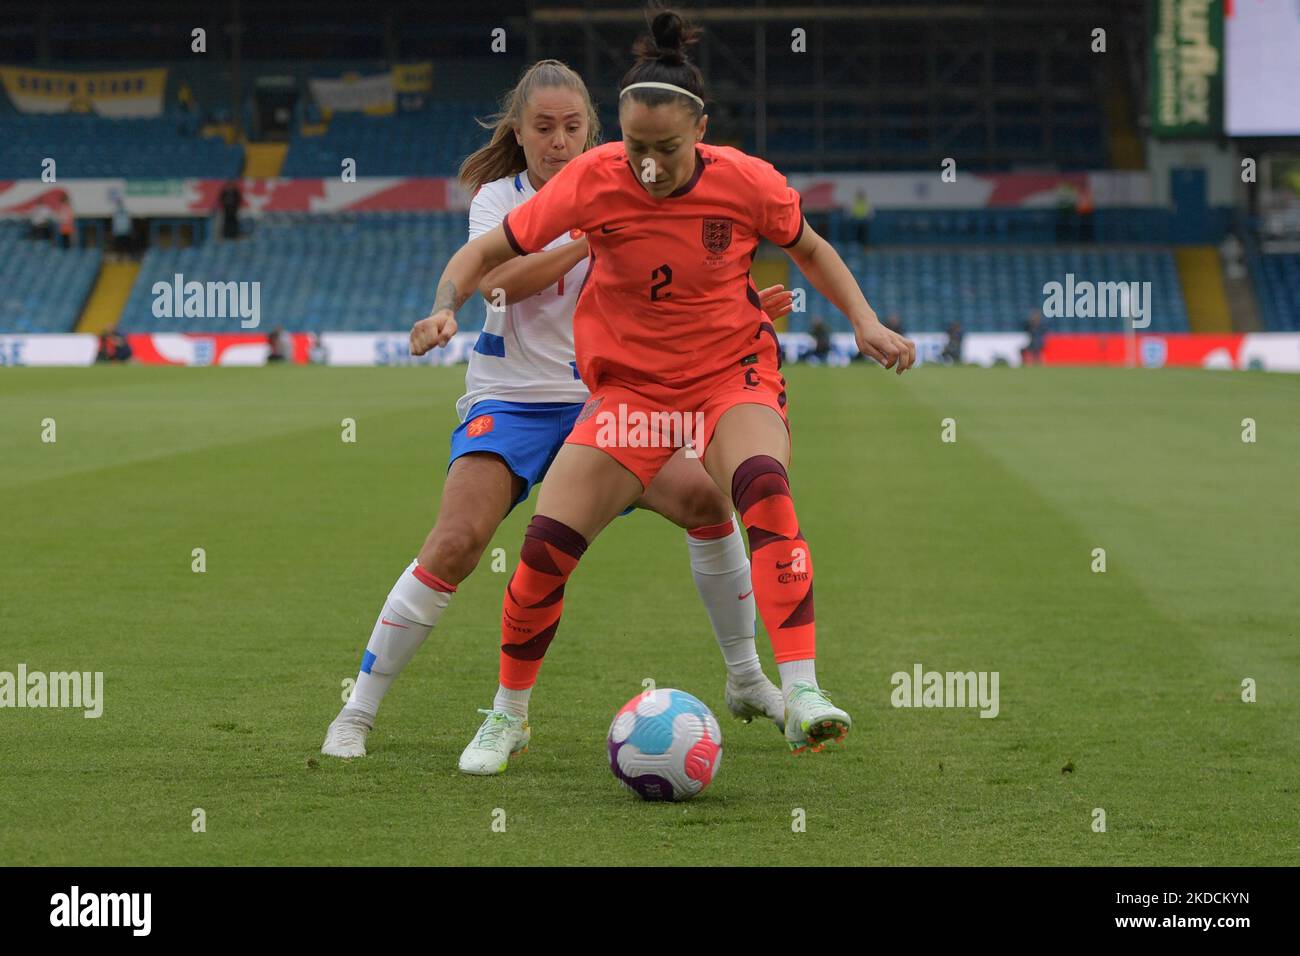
x,y
1262,67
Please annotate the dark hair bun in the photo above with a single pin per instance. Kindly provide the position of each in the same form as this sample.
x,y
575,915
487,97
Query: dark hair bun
x,y
670,36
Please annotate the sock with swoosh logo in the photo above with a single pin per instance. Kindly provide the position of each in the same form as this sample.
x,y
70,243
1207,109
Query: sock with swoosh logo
x,y
530,613
413,607
781,564
721,570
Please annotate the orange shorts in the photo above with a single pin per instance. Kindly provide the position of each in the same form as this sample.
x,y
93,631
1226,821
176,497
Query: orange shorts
x,y
642,426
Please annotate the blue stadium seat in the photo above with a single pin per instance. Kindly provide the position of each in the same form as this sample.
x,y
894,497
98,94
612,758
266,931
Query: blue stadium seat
x,y
373,272
42,287
995,291
346,272
1277,288
429,142
92,147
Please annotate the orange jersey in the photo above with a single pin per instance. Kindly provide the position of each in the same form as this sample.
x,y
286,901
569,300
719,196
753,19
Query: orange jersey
x,y
668,298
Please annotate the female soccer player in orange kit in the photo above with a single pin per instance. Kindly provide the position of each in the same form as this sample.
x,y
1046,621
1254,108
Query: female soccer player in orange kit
x,y
522,397
669,328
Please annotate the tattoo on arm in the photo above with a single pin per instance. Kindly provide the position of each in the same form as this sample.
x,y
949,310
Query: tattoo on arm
x,y
448,297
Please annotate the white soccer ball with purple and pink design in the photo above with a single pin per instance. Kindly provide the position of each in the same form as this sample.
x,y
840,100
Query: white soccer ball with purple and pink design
x,y
664,744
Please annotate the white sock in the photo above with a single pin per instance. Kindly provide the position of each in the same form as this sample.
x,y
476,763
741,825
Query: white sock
x,y
413,607
512,702
721,570
792,671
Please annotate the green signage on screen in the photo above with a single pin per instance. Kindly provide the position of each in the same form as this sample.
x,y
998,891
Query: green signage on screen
x,y
1186,67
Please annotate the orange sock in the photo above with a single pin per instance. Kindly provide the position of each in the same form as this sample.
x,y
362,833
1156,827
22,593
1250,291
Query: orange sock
x,y
530,614
781,565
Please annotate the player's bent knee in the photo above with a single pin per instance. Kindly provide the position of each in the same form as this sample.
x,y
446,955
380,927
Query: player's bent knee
x,y
756,478
707,506
453,551
692,507
761,491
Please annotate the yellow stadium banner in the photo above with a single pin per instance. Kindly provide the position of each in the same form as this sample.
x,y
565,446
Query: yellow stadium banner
x,y
353,92
413,77
116,93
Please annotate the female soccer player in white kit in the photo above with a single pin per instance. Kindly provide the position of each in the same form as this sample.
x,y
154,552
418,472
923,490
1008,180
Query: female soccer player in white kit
x,y
522,396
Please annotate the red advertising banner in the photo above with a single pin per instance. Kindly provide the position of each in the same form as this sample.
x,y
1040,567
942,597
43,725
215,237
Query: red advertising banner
x,y
1266,351
198,197
1152,351
168,348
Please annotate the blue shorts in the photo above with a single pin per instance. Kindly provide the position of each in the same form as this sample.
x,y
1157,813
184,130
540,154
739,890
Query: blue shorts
x,y
527,435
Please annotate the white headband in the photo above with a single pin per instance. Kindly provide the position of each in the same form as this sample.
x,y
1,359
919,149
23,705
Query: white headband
x,y
662,86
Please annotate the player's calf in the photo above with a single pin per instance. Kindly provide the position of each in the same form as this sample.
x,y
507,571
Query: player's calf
x,y
781,565
534,598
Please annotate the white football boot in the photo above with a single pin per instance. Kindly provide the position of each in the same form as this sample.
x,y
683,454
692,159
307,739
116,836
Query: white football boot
x,y
757,698
346,736
811,719
500,737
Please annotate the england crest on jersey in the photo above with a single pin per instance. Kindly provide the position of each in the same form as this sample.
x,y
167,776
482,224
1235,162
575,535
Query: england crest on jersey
x,y
716,235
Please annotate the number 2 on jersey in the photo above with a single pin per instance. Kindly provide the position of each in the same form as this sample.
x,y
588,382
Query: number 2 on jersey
x,y
667,280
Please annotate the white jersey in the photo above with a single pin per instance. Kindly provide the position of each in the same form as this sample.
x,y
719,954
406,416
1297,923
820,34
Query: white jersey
x,y
525,351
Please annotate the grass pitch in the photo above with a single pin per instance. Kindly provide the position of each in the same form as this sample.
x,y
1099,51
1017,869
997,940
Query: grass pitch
x,y
1119,690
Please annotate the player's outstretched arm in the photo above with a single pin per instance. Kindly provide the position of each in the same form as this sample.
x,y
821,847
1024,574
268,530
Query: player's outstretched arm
x,y
462,276
819,261
527,275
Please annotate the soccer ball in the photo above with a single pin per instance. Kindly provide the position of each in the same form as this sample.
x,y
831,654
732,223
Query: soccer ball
x,y
664,744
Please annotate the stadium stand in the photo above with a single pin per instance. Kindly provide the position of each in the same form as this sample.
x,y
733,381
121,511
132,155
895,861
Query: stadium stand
x,y
994,291
367,272
428,142
985,267
372,272
91,147
1276,278
42,287
1077,142
1002,226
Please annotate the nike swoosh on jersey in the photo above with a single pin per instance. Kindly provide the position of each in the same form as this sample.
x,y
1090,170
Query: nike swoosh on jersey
x,y
607,230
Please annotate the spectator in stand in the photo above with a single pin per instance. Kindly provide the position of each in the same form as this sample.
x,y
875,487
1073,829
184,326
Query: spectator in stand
x,y
821,335
1066,205
122,227
42,223
1032,353
67,221
952,351
189,111
113,347
230,200
894,324
281,343
1233,255
317,354
1083,209
862,217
